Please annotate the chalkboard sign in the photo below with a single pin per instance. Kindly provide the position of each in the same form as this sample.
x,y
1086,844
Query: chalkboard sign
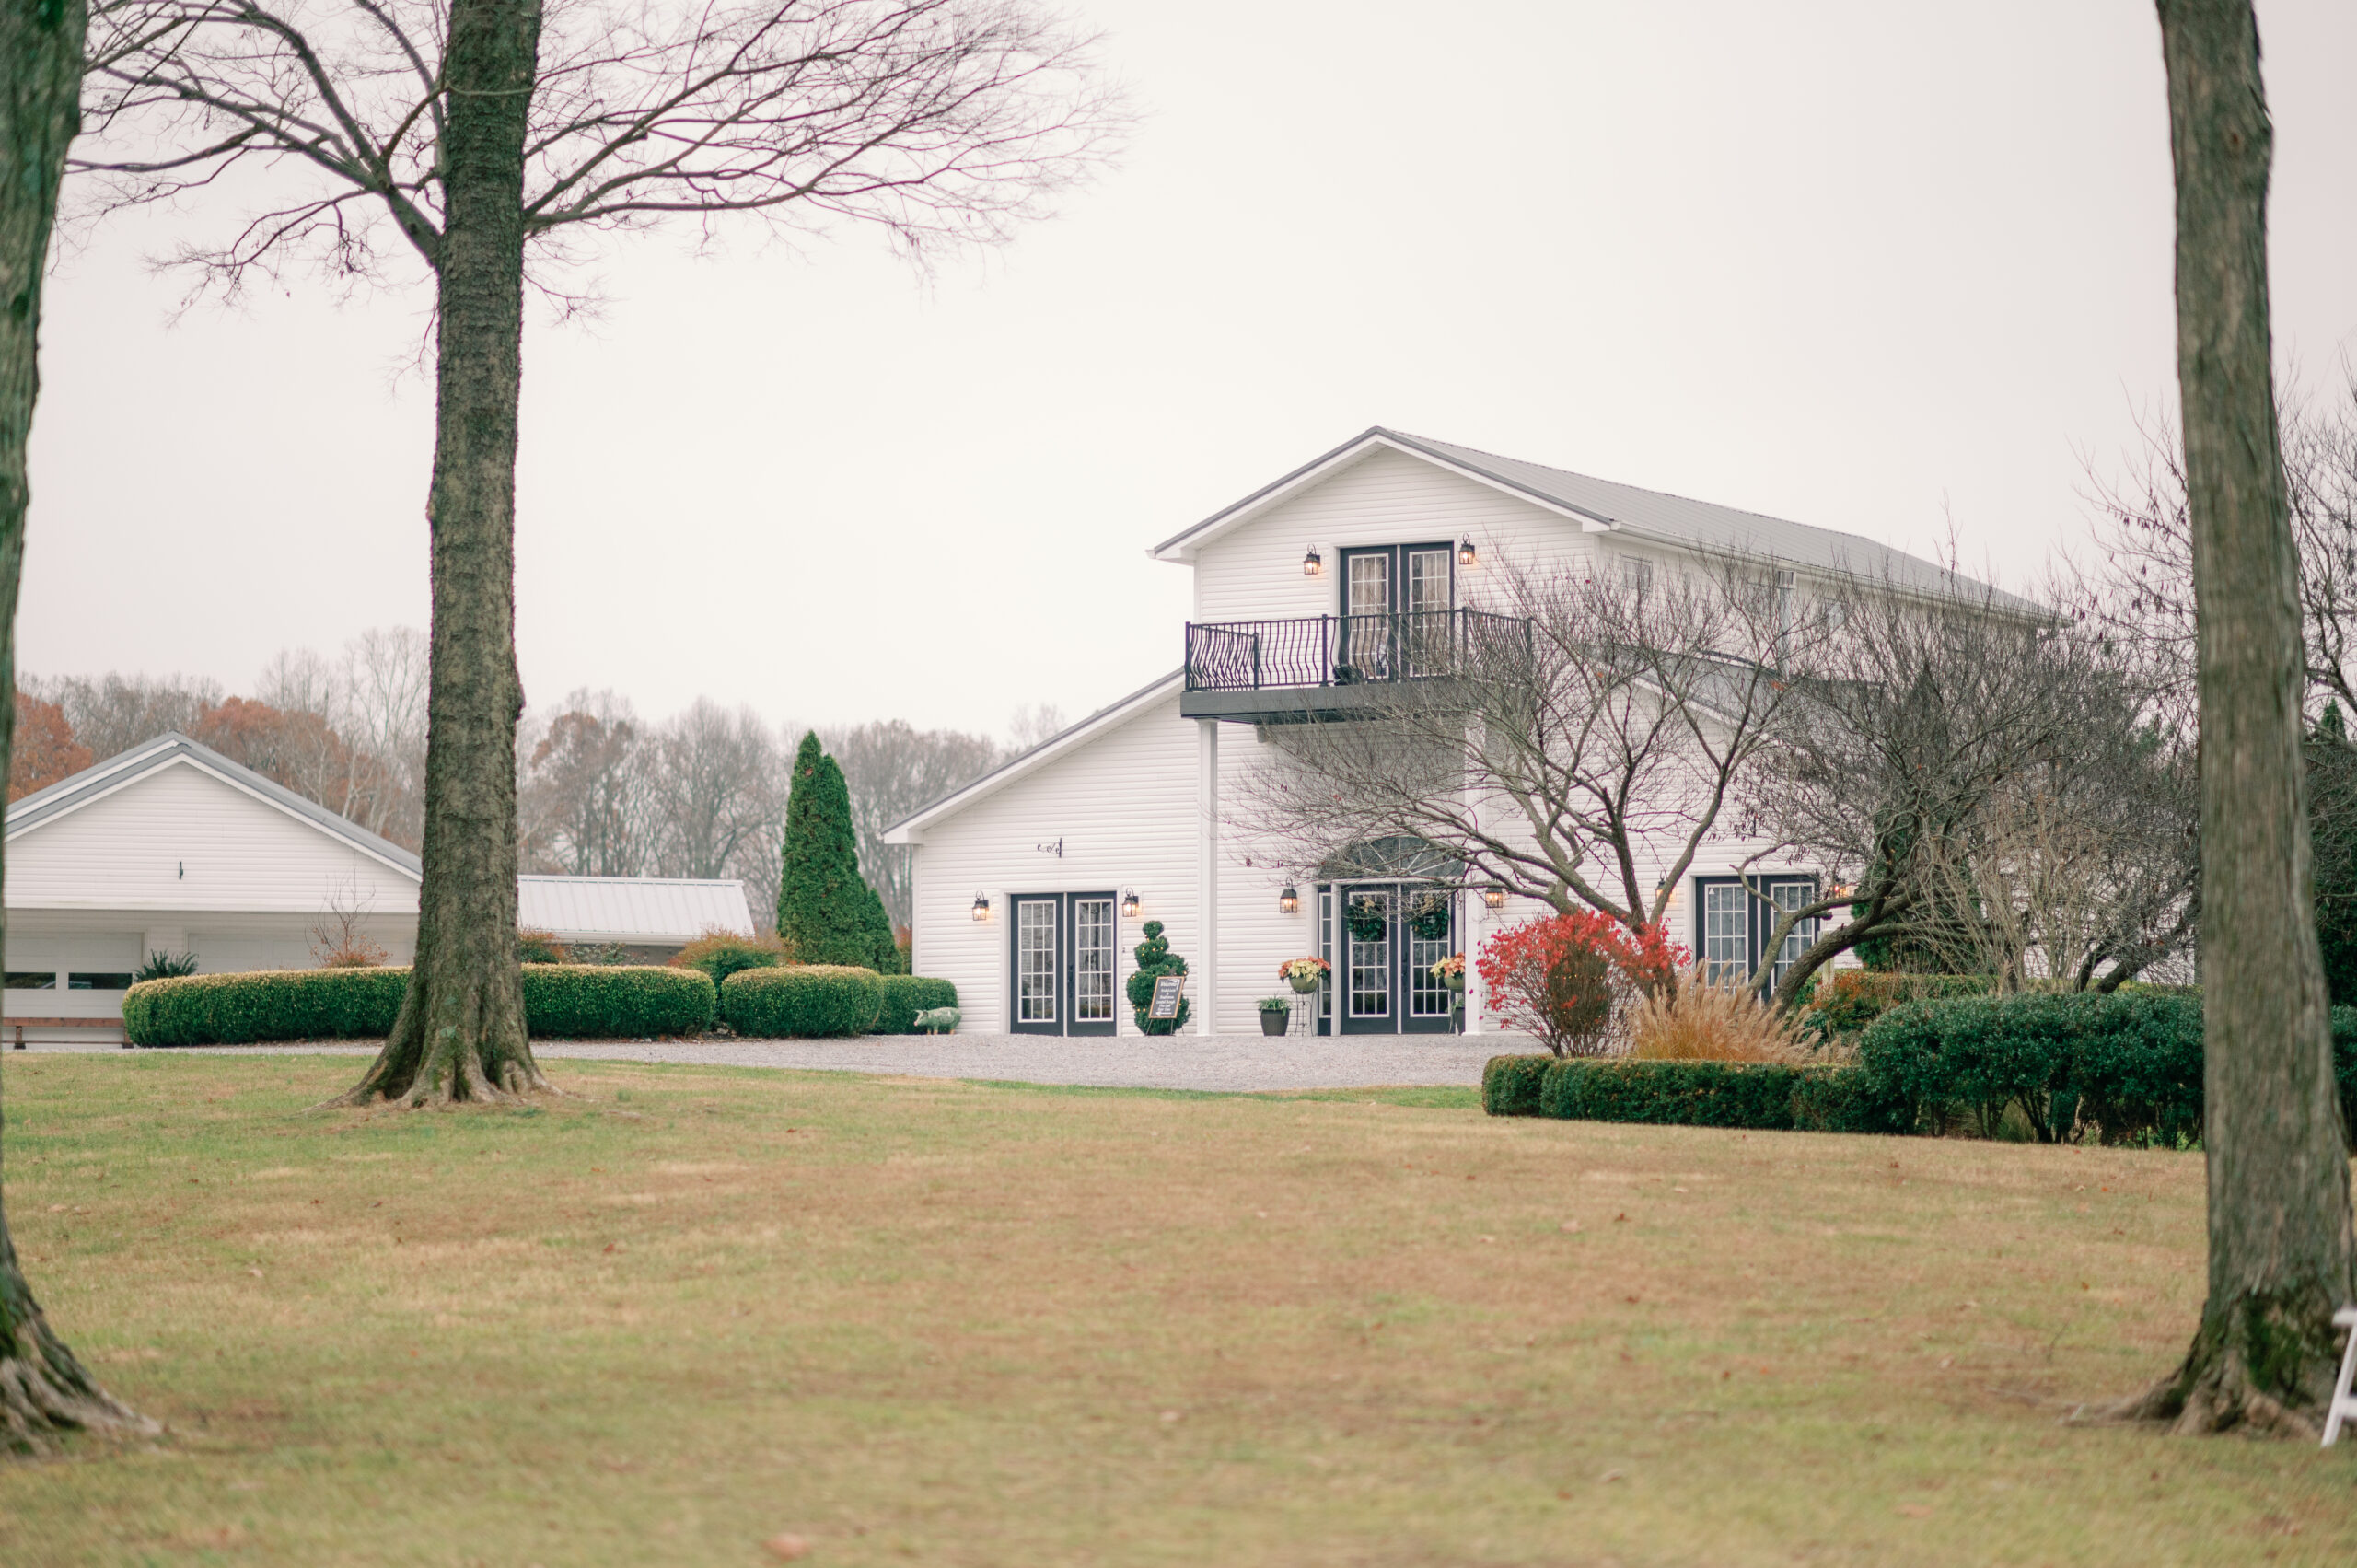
x,y
1165,996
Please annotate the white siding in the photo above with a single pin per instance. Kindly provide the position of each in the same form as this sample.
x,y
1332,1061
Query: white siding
x,y
180,840
1254,573
1123,804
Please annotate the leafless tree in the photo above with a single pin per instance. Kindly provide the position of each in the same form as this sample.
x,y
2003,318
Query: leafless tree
x,y
587,804
891,768
1033,723
112,713
2282,1260
716,782
44,1390
1925,766
479,137
1579,747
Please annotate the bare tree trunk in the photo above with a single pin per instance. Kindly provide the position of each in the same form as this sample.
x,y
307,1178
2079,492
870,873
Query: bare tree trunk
x,y
43,1390
460,1033
2279,1245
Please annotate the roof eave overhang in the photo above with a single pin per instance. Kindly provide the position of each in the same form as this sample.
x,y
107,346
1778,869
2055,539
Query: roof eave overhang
x,y
1182,547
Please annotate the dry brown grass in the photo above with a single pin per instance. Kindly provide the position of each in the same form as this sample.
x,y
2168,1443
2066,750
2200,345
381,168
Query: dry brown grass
x,y
688,1310
1701,1022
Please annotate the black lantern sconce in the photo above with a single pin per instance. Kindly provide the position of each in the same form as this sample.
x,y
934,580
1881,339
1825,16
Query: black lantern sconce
x,y
1312,562
1465,552
1289,902
982,906
1129,903
1494,897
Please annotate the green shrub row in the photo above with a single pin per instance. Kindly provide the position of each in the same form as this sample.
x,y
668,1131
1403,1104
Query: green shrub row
x,y
1849,1000
240,1009
2121,1068
1757,1096
615,1001
2117,1068
560,1001
906,995
816,1001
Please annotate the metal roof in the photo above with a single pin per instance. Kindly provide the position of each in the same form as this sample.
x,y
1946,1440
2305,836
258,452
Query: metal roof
x,y
1643,514
632,909
577,909
73,793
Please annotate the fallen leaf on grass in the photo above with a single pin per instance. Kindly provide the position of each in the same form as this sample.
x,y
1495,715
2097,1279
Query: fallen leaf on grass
x,y
1916,1510
1617,1219
786,1548
1614,1475
1570,1228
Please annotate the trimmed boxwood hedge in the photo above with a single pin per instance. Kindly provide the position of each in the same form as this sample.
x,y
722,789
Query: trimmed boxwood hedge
x,y
560,1001
806,1002
615,1001
245,1009
2121,1068
906,995
1510,1084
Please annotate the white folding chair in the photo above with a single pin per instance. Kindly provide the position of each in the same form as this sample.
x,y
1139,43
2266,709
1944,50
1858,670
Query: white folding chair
x,y
2344,1404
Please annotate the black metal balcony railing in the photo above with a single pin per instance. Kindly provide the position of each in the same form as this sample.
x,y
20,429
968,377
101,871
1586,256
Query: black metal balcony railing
x,y
1344,650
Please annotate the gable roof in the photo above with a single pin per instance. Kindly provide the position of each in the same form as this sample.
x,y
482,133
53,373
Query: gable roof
x,y
1602,506
910,830
172,748
632,908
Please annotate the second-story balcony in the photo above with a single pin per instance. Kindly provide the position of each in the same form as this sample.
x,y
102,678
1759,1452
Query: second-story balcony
x,y
1333,666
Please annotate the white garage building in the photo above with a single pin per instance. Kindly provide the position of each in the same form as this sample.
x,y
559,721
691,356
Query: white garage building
x,y
171,847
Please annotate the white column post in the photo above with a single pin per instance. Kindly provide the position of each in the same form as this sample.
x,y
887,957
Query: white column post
x,y
1205,966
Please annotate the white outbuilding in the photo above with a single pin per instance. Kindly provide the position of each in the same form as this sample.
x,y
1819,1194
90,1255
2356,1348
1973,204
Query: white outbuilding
x,y
173,848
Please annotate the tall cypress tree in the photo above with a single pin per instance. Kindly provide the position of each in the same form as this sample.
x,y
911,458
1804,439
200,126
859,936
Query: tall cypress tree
x,y
825,909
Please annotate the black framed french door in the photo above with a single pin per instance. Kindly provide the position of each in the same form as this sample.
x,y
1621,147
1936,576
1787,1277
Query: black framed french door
x,y
1062,964
1733,924
1382,939
1395,610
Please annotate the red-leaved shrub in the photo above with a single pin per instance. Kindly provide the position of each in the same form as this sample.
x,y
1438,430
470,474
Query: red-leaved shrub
x,y
1570,979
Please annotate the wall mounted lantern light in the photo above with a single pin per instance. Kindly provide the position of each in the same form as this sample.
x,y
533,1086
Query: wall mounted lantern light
x,y
1289,902
982,906
1312,562
1494,895
1464,553
1129,903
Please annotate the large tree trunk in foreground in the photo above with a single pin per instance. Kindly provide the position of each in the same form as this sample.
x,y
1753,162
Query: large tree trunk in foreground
x,y
460,1033
2279,1244
43,1390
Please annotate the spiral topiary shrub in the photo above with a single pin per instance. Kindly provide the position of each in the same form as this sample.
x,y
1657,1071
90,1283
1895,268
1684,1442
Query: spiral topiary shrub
x,y
808,1002
1155,960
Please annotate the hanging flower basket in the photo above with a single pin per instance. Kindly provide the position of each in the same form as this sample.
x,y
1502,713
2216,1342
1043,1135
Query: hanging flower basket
x,y
1450,972
1369,919
1305,975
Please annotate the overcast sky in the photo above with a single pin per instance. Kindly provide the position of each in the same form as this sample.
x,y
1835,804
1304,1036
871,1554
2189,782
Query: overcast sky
x,y
1863,265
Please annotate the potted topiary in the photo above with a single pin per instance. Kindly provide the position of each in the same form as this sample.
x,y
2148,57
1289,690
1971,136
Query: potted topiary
x,y
1276,1012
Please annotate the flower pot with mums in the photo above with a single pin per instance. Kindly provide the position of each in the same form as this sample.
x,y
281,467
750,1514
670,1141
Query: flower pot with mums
x,y
1305,975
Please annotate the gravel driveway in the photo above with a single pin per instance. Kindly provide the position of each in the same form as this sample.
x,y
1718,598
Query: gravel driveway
x,y
1173,1061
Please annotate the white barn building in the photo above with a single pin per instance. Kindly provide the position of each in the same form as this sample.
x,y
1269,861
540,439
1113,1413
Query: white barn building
x,y
171,847
1033,880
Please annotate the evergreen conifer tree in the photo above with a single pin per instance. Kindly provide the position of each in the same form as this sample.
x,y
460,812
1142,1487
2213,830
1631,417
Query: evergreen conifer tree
x,y
826,911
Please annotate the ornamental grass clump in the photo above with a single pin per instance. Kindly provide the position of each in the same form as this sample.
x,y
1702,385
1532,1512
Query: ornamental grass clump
x,y
1572,979
1699,1021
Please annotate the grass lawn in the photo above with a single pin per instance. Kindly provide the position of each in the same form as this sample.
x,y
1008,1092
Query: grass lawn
x,y
689,1309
